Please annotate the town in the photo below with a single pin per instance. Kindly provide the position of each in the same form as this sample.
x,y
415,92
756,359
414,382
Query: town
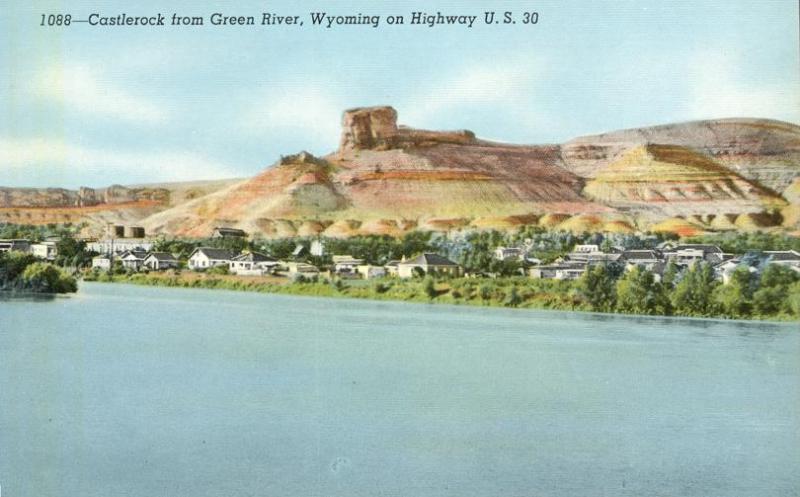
x,y
586,263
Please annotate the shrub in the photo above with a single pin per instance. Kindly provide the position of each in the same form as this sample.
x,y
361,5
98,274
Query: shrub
x,y
44,277
513,299
597,285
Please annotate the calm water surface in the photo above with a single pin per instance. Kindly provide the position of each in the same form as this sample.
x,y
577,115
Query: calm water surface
x,y
137,391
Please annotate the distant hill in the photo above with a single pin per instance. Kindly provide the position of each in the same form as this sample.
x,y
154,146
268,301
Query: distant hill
x,y
731,174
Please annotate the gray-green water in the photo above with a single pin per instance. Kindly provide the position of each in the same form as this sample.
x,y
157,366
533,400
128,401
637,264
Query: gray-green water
x,y
138,391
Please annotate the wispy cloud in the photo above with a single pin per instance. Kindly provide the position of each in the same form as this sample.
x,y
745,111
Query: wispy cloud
x,y
27,161
503,84
717,89
90,92
306,111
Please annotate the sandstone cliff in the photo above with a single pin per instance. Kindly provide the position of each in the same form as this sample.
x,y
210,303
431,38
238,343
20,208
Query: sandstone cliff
x,y
385,178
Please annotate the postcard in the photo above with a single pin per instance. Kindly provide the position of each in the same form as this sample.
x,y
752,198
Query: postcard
x,y
400,248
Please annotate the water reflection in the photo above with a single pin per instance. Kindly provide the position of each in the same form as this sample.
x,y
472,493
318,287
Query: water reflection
x,y
27,297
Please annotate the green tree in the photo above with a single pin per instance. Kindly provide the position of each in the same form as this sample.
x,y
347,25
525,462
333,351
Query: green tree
x,y
670,277
44,277
735,298
772,296
597,285
693,294
485,292
770,301
513,299
639,293
429,287
775,275
72,252
12,264
793,299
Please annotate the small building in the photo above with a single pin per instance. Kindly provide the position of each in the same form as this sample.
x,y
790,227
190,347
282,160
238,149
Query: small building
x,y
428,263
120,245
590,254
252,264
368,271
221,232
688,254
346,265
788,258
317,248
159,261
133,259
203,258
16,245
45,250
102,262
559,271
391,267
645,259
509,253
303,268
724,270
299,250
595,258
586,249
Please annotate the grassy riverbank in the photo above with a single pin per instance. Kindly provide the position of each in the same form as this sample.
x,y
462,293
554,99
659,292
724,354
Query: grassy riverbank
x,y
516,292
500,292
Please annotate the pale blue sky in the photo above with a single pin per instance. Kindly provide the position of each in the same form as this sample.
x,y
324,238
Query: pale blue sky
x,y
94,106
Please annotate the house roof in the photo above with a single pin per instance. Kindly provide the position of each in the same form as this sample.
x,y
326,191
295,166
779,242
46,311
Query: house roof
x,y
699,246
640,254
230,231
139,255
162,256
214,253
783,255
659,268
429,259
253,257
602,257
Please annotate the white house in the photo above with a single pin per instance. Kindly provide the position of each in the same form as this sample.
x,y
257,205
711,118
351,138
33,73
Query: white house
x,y
428,263
252,264
302,268
206,257
102,262
159,261
120,245
317,248
368,271
788,258
132,259
509,253
688,254
724,270
586,249
45,250
391,267
346,264
16,244
563,271
646,259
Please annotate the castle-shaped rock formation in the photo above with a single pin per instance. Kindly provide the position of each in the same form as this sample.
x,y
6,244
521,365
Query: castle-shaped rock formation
x,y
376,128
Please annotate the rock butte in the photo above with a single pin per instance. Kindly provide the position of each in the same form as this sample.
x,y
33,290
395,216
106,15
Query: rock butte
x,y
385,178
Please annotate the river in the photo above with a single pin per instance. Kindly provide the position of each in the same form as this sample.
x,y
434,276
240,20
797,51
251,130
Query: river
x,y
138,391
